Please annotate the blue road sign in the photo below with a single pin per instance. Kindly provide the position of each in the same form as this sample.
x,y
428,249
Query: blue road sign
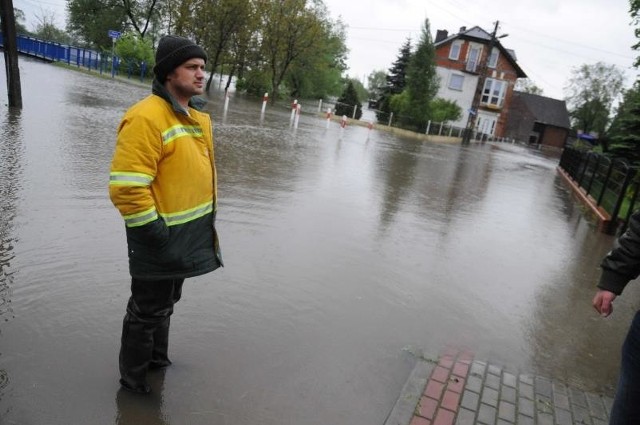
x,y
114,34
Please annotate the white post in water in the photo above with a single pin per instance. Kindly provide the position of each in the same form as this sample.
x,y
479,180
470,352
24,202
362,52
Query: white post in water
x,y
390,119
226,100
328,117
355,109
295,123
265,99
428,127
294,107
320,106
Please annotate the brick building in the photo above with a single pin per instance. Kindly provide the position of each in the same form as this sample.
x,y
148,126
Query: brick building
x,y
538,120
461,59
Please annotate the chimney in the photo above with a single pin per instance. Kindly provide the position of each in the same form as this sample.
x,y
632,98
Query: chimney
x,y
463,29
441,35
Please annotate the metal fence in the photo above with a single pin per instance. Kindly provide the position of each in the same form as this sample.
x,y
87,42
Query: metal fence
x,y
78,56
611,183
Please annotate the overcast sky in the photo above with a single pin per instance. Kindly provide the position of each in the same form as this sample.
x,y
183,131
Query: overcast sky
x,y
550,37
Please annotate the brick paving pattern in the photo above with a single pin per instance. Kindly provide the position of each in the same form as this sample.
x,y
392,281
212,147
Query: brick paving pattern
x,y
458,390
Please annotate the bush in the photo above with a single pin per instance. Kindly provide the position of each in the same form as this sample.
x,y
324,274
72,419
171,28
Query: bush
x,y
134,50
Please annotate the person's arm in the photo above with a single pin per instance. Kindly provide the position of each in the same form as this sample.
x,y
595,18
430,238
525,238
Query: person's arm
x,y
619,266
133,169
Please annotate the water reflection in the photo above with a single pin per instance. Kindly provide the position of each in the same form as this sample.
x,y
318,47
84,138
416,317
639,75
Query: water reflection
x,y
11,150
397,168
583,339
11,153
147,409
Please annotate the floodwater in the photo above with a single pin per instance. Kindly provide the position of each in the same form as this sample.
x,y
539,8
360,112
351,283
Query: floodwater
x,y
348,253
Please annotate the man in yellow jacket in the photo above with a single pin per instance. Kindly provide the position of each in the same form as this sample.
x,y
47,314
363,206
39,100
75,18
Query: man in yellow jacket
x,y
163,182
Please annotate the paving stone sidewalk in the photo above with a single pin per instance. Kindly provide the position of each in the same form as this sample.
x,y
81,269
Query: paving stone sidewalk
x,y
458,390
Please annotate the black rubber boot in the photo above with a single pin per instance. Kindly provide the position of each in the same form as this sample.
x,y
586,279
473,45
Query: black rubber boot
x,y
159,355
135,355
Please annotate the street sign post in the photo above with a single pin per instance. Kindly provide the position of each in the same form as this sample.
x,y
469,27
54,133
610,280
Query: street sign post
x,y
114,36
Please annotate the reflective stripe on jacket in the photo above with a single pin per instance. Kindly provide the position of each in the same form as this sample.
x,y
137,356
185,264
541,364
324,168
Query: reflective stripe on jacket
x,y
163,182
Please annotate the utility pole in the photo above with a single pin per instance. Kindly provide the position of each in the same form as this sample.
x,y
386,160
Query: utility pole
x,y
482,75
11,53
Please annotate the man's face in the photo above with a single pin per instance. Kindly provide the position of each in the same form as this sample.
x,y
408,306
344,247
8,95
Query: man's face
x,y
187,80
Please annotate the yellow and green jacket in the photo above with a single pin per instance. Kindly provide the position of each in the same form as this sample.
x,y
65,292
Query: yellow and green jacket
x,y
163,182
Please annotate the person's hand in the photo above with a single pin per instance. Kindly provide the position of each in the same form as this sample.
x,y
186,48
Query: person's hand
x,y
603,302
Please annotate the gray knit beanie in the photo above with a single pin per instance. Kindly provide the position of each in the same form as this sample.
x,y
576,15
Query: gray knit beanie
x,y
172,52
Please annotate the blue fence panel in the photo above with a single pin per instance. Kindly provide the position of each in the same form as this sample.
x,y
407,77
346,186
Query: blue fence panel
x,y
81,57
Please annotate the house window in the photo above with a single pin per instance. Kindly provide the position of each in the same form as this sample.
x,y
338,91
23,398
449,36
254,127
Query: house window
x,y
493,92
493,59
454,51
456,81
472,59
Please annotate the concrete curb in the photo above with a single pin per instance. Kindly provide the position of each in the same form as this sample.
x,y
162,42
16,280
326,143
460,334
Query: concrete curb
x,y
405,406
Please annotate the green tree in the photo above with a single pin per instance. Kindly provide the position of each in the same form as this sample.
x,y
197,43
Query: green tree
x,y
289,29
347,101
20,21
397,77
526,85
399,103
376,82
318,72
46,29
443,110
624,135
634,10
142,13
90,20
590,94
396,81
360,88
225,18
421,81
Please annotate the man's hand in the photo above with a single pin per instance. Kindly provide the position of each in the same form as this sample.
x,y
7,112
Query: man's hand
x,y
603,302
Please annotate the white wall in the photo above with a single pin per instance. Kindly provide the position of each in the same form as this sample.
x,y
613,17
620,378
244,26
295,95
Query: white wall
x,y
464,97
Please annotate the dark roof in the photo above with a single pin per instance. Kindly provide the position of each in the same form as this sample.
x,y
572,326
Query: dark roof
x,y
545,109
478,34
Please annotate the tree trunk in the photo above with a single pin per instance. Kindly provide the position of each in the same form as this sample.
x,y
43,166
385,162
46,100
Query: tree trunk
x,y
14,90
233,70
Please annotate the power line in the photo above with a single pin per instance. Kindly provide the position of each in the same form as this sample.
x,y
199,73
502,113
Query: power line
x,y
570,52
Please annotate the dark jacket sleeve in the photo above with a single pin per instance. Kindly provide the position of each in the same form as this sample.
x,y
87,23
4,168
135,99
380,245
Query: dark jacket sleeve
x,y
622,263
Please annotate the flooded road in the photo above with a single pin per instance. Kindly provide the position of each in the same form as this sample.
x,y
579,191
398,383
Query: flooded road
x,y
347,254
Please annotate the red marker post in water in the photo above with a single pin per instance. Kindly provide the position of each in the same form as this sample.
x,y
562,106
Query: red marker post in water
x,y
295,122
294,108
265,99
